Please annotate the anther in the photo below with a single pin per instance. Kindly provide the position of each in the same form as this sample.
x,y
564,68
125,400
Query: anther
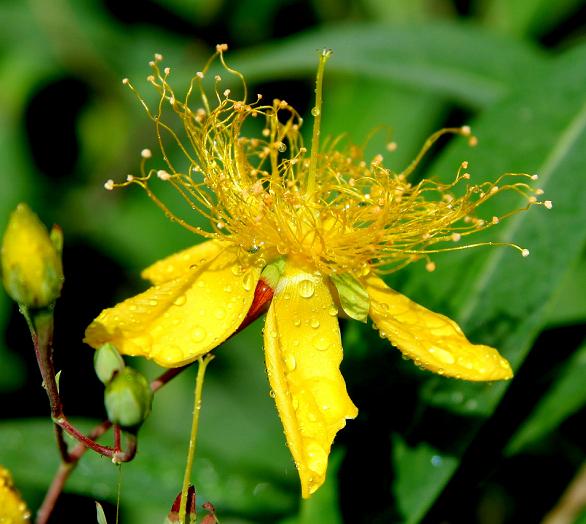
x,y
125,81
222,48
430,266
158,57
495,220
167,70
456,237
109,185
129,178
525,252
227,93
534,177
466,176
199,75
218,78
466,130
539,191
392,146
548,204
473,141
163,175
146,153
465,164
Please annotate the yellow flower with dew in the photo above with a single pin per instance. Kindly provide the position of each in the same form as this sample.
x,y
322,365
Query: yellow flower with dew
x,y
311,231
13,509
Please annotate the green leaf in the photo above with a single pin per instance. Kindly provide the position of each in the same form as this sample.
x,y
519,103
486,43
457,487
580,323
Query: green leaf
x,y
528,17
566,397
101,516
458,61
569,306
498,297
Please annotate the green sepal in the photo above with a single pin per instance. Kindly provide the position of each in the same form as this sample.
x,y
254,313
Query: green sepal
x,y
107,362
353,296
128,399
273,271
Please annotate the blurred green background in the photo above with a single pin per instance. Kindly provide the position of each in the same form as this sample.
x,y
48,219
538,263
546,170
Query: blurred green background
x,y
424,448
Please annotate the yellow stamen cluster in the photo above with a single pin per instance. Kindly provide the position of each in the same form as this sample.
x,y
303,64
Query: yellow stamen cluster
x,y
331,208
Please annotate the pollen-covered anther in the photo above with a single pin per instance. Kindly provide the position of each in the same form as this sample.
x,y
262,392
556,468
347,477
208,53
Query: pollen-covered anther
x,y
146,153
430,266
221,48
456,237
125,81
525,252
167,71
465,164
532,199
227,93
158,57
495,220
129,178
534,177
466,176
218,78
473,141
548,204
163,175
494,189
466,130
539,191
392,146
109,184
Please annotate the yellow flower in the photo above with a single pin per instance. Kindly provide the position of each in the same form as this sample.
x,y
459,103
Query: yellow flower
x,y
13,510
312,232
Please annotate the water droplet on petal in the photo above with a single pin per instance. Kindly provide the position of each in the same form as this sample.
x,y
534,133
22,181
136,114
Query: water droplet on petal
x,y
290,362
321,343
272,394
296,322
198,334
306,288
180,300
436,461
333,311
220,313
249,281
152,302
315,111
314,323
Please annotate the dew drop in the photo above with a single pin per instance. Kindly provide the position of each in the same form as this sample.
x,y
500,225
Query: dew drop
x,y
314,323
306,288
315,111
282,147
321,343
272,394
296,322
437,461
290,362
220,313
198,334
180,300
152,302
248,281
333,311
442,355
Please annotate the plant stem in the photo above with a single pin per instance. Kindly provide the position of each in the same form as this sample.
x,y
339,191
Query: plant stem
x,y
202,364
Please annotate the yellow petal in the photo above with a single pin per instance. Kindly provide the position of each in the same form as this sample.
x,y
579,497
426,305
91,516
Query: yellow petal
x,y
177,321
432,340
178,264
303,352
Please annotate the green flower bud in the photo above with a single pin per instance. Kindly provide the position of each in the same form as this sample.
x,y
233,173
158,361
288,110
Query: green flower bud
x,y
128,398
353,296
31,265
107,361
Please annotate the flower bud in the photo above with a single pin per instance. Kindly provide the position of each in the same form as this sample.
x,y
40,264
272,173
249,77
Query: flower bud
x,y
107,362
13,510
128,398
31,264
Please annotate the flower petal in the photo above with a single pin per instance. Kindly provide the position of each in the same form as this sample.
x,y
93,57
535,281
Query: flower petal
x,y
178,264
432,340
177,321
303,352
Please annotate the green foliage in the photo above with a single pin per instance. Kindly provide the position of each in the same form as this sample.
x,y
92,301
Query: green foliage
x,y
407,69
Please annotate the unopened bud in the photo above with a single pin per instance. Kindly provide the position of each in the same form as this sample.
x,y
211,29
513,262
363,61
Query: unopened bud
x,y
128,398
32,272
107,362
